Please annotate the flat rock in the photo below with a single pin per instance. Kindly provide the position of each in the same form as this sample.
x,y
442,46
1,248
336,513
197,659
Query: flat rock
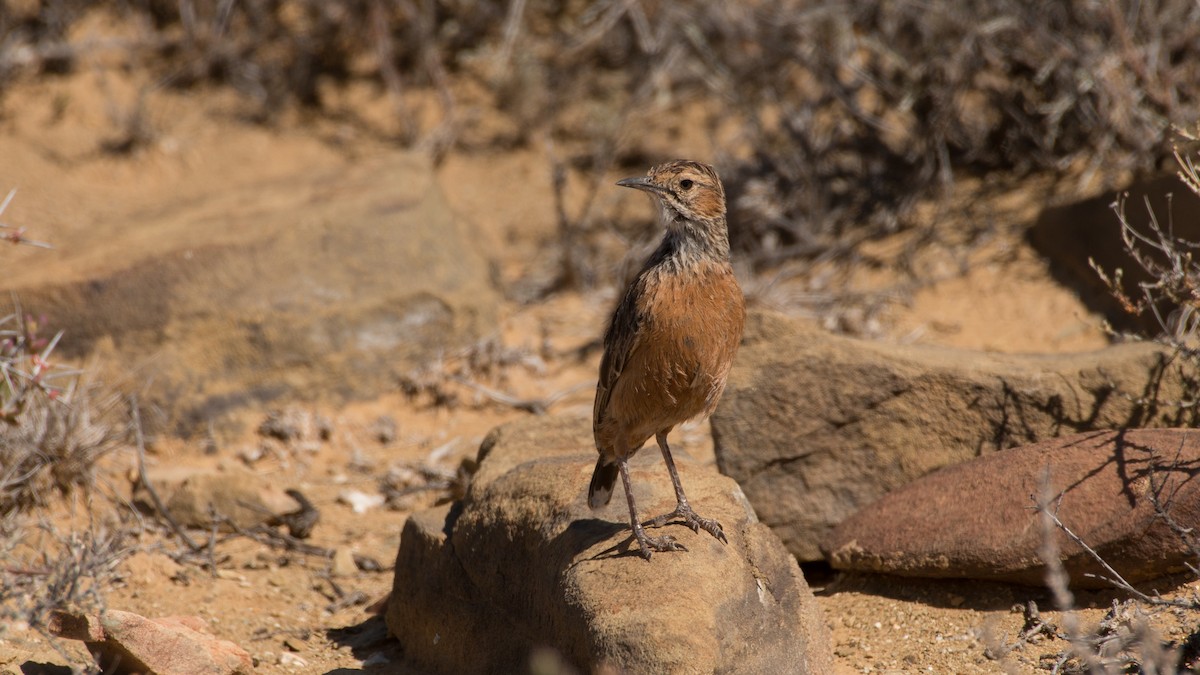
x,y
238,496
814,426
124,642
523,563
977,519
324,284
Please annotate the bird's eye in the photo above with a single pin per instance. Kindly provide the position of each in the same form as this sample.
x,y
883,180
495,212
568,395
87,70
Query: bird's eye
x,y
686,184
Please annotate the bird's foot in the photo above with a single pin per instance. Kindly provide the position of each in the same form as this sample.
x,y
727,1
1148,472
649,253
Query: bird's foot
x,y
683,511
649,545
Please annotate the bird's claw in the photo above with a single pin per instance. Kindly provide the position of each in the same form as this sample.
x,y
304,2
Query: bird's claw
x,y
649,545
692,520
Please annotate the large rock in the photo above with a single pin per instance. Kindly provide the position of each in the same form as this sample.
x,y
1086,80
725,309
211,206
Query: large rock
x,y
326,284
522,562
977,519
814,426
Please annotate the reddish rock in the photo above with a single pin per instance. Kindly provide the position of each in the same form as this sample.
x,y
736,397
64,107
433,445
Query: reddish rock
x,y
123,642
815,426
978,519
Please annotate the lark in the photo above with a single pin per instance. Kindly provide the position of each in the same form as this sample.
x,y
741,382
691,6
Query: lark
x,y
670,343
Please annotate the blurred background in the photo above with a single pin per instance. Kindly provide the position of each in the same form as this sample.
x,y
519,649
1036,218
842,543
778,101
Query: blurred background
x,y
401,215
831,122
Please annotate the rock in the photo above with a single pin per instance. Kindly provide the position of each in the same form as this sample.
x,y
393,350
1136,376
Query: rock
x,y
384,429
289,425
342,565
128,643
814,426
192,495
523,563
359,501
325,284
290,660
977,519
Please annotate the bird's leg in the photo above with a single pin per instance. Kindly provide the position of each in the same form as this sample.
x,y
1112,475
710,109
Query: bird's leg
x,y
683,511
646,543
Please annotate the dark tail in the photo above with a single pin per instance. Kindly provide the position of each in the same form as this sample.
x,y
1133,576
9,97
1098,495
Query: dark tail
x,y
604,479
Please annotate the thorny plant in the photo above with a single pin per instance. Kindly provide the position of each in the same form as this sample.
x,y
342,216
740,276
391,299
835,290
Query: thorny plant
x,y
26,368
16,235
1171,294
52,432
52,429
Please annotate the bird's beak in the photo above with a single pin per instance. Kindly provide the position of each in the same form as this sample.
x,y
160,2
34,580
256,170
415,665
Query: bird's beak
x,y
640,183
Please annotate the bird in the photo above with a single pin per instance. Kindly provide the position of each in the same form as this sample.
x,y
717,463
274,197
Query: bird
x,y
670,343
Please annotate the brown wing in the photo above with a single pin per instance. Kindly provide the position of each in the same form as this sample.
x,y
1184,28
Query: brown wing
x,y
619,342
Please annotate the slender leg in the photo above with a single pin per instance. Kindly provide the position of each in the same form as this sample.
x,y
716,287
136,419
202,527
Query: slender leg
x,y
683,510
646,543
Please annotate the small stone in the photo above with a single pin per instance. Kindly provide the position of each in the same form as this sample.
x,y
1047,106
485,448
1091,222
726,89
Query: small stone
x,y
237,494
384,429
292,660
360,502
343,564
324,427
251,454
285,425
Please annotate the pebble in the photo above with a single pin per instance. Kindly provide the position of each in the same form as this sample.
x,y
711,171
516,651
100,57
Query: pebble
x,y
292,660
343,564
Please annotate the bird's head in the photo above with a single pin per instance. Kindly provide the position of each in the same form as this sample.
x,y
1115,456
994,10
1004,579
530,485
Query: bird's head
x,y
686,190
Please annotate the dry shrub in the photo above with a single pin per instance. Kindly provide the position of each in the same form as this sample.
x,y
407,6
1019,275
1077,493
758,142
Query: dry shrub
x,y
53,428
54,446
848,112
1125,640
53,431
843,114
46,568
1171,291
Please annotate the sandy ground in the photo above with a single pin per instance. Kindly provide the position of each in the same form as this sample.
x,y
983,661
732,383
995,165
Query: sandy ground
x,y
285,608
